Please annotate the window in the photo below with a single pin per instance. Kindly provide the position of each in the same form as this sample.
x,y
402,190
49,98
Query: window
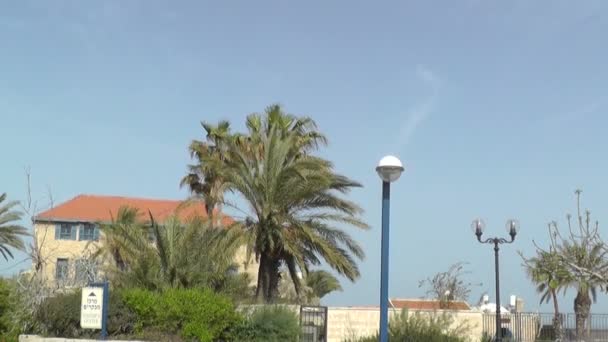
x,y
65,231
88,232
85,271
61,269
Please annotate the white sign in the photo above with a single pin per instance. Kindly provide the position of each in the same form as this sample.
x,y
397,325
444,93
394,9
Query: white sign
x,y
92,308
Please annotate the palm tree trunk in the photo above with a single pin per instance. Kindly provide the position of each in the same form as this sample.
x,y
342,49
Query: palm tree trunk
x,y
209,207
274,277
582,307
261,287
270,276
557,318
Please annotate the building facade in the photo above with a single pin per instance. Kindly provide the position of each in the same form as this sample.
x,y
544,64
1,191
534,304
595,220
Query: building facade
x,y
68,234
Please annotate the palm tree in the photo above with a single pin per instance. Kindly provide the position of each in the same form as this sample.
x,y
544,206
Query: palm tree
x,y
547,271
314,286
120,238
590,256
321,284
293,197
170,254
11,233
584,253
202,180
576,259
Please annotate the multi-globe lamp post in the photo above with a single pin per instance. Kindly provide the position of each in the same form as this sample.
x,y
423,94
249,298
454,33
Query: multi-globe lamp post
x,y
389,169
512,227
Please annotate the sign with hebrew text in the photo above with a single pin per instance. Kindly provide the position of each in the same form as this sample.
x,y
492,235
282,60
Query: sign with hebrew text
x,y
91,310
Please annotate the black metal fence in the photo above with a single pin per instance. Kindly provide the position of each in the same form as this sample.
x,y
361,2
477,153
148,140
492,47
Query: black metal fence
x,y
536,327
313,320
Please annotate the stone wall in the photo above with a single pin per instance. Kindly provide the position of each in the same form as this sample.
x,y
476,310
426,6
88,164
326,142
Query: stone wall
x,y
351,322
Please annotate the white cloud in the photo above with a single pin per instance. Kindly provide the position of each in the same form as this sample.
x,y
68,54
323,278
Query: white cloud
x,y
419,112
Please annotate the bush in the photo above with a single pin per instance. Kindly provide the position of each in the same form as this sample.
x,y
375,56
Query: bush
x,y
428,327
267,323
196,314
59,316
9,330
5,306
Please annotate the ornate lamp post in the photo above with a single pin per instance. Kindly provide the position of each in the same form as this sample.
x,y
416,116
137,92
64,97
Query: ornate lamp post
x,y
512,227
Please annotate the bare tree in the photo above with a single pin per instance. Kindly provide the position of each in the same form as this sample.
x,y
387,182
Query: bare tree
x,y
32,287
449,286
31,207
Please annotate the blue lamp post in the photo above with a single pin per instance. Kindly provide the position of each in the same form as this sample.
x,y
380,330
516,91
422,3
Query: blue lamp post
x,y
389,169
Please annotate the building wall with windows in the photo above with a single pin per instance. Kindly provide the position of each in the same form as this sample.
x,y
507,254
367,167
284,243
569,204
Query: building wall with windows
x,y
63,246
67,235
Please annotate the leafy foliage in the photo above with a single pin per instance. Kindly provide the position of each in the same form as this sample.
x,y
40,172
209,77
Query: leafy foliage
x,y
272,324
172,254
5,306
428,327
59,316
550,276
322,283
293,201
196,314
11,233
315,285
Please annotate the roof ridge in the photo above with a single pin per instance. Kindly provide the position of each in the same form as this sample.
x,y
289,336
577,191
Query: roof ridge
x,y
98,207
128,197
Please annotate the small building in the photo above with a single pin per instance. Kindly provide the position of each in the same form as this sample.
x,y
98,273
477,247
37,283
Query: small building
x,y
64,233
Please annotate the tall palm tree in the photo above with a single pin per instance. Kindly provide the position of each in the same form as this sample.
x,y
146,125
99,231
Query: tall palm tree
x,y
547,271
11,233
293,197
202,180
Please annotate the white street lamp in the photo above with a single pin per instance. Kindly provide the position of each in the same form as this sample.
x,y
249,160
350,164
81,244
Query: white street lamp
x,y
389,169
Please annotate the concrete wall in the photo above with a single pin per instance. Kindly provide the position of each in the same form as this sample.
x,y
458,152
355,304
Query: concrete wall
x,y
349,323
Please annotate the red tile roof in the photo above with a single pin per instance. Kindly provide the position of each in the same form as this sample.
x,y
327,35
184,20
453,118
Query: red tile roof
x,y
426,304
93,208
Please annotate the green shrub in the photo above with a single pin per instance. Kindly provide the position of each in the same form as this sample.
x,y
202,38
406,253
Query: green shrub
x,y
196,314
59,316
5,306
9,330
428,327
267,323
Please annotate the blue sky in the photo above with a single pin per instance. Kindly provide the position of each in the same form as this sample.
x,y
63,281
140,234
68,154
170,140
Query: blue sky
x,y
496,108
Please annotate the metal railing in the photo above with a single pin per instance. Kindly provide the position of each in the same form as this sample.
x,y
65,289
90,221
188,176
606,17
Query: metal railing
x,y
536,327
313,321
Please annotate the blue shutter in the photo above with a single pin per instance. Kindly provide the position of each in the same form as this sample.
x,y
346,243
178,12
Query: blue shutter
x,y
73,232
96,233
80,232
57,231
